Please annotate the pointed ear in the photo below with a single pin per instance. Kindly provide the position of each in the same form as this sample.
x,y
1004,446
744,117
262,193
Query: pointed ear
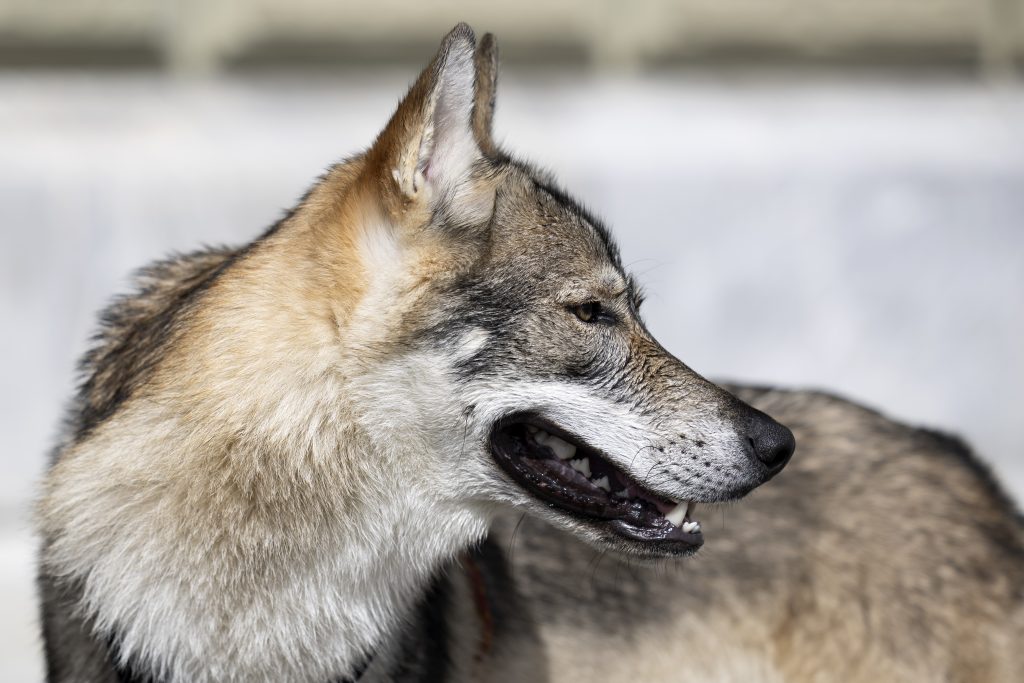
x,y
486,88
428,149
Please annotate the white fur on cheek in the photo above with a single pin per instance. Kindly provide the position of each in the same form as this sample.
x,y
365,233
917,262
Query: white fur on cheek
x,y
599,420
627,438
470,343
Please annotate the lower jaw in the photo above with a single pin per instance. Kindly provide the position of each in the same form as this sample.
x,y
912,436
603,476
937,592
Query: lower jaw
x,y
657,536
647,543
659,539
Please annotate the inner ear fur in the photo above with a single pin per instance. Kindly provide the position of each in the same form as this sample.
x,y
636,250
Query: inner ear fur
x,y
440,130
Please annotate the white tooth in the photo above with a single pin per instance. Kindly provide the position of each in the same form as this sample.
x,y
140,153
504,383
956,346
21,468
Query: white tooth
x,y
563,449
621,493
582,465
677,514
602,483
531,429
691,527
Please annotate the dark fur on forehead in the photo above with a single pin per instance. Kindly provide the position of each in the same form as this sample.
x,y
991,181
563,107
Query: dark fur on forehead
x,y
545,182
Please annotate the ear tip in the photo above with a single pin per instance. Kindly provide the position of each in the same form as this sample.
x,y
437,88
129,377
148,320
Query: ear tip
x,y
462,33
488,44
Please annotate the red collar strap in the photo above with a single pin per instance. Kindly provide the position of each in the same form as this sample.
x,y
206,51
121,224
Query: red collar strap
x,y
478,585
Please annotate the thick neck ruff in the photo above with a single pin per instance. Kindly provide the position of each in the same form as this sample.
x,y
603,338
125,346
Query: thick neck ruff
x,y
429,622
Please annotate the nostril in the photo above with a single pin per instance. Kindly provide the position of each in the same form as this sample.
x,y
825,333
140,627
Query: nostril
x,y
772,443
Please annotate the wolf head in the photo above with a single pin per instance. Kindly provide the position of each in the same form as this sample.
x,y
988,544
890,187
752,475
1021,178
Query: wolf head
x,y
510,357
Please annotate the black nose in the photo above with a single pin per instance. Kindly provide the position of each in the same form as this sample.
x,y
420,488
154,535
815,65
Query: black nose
x,y
773,443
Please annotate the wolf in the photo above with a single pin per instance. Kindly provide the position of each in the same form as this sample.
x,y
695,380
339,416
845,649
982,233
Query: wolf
x,y
418,430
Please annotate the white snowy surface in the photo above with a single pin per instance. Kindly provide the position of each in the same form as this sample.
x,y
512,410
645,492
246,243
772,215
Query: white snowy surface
x,y
860,235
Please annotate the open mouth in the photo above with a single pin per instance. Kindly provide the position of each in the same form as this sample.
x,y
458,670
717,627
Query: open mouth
x,y
563,472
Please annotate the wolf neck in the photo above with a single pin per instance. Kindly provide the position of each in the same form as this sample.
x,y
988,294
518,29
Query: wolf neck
x,y
253,522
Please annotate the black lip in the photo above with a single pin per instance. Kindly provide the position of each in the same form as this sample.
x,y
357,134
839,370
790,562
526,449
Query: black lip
x,y
633,520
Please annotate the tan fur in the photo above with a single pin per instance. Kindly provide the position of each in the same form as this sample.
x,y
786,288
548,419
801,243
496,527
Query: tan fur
x,y
244,453
279,452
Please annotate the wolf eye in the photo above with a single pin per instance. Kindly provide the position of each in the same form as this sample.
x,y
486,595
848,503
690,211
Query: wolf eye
x,y
588,312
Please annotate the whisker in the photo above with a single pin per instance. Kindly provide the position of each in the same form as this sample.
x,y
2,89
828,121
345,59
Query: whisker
x,y
515,535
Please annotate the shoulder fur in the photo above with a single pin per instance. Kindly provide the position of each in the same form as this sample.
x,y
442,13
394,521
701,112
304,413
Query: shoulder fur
x,y
135,327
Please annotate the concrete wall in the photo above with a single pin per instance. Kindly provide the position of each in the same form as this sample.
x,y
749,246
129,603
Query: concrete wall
x,y
195,36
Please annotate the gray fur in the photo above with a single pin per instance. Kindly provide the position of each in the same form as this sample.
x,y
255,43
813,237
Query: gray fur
x,y
295,383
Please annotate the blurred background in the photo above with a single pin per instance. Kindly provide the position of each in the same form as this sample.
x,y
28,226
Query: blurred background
x,y
816,193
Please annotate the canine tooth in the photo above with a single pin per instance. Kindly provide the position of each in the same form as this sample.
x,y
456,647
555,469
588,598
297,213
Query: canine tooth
x,y
581,465
602,483
691,527
677,514
563,449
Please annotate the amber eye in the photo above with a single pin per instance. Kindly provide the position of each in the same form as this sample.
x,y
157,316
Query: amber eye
x,y
588,312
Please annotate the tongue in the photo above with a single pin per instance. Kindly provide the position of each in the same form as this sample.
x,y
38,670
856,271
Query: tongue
x,y
664,507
